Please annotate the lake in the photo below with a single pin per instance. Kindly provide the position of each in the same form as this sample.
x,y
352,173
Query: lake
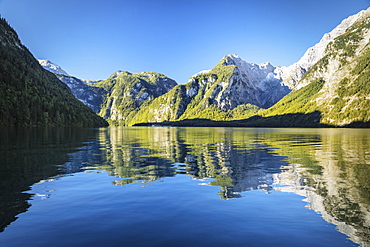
x,y
167,186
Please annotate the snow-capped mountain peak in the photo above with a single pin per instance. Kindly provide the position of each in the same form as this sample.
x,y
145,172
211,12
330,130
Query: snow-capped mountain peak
x,y
234,59
293,73
48,65
254,74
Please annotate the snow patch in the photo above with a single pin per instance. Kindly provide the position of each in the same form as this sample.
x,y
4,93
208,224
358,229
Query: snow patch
x,y
48,65
201,73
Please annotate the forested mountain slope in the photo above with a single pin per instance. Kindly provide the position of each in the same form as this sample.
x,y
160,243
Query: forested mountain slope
x,y
335,90
119,97
338,85
125,94
30,95
328,86
88,94
213,95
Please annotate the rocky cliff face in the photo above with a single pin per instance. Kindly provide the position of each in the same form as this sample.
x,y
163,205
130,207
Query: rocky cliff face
x,y
48,65
246,83
250,83
87,94
127,92
292,74
337,85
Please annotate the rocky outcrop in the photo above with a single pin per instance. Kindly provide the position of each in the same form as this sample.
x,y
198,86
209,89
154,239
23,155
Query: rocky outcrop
x,y
126,92
52,67
250,83
292,74
88,94
337,85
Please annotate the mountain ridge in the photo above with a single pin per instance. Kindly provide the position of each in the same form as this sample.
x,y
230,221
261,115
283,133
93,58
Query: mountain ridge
x,y
127,92
235,89
52,67
343,94
337,63
293,73
32,96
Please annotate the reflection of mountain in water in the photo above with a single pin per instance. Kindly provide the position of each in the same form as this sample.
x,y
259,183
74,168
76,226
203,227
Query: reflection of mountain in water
x,y
30,155
331,168
139,155
328,167
338,183
125,155
237,169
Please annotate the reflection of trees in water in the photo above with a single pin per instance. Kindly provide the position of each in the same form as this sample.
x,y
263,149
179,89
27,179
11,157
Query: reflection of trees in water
x,y
340,178
330,167
140,154
29,155
236,169
134,155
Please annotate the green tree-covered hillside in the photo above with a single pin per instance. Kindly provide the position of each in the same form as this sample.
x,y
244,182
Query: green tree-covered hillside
x,y
127,92
196,99
335,92
30,95
338,86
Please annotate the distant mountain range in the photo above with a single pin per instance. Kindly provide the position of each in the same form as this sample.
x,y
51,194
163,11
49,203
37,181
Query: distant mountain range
x,y
328,86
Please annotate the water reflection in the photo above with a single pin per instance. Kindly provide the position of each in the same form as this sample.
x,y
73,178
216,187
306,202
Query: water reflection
x,y
330,167
337,181
236,162
32,155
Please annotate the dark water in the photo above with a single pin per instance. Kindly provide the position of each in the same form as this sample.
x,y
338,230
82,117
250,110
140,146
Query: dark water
x,y
184,187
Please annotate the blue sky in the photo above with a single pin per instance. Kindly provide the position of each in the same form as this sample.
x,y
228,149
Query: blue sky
x,y
93,39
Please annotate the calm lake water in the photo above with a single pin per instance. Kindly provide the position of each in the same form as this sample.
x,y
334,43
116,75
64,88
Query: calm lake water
x,y
123,186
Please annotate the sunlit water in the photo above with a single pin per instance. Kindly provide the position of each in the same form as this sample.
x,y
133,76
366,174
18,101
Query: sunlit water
x,y
184,187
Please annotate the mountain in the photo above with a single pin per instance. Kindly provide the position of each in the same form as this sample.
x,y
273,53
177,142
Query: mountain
x,y
292,74
244,83
337,85
48,65
87,94
120,96
30,95
326,87
250,83
232,89
127,92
